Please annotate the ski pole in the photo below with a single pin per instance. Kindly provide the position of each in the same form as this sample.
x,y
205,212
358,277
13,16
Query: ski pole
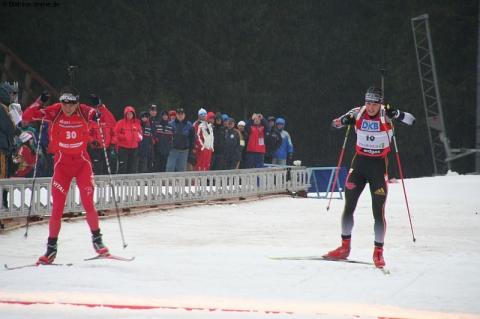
x,y
397,155
111,182
337,170
34,177
400,170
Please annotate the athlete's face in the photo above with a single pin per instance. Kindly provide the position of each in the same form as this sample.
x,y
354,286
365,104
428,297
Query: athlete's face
x,y
69,108
372,108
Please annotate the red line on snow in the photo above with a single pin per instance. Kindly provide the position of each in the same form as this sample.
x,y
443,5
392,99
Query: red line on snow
x,y
147,307
140,307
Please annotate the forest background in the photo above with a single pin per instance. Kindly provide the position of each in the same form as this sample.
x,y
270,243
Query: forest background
x,y
307,61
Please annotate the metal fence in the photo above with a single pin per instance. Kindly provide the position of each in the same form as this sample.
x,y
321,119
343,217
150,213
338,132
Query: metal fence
x,y
154,189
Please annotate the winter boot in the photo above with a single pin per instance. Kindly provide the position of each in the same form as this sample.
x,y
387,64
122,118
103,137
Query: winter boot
x,y
378,257
51,253
341,252
98,245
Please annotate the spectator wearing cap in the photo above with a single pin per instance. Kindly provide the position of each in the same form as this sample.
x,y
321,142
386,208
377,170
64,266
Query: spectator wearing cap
x,y
172,114
163,135
192,157
284,154
129,134
272,140
145,147
256,129
204,142
102,135
153,112
218,161
7,134
25,155
233,145
243,142
183,142
153,120
211,118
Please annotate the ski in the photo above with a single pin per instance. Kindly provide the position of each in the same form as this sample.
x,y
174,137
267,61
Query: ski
x,y
351,261
7,267
110,256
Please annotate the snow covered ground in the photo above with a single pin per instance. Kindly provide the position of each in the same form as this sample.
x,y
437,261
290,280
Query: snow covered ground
x,y
212,261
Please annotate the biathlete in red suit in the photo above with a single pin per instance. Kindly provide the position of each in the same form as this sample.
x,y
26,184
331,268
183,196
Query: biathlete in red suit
x,y
69,135
373,127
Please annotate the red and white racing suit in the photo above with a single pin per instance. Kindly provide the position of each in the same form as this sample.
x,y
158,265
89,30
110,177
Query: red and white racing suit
x,y
69,136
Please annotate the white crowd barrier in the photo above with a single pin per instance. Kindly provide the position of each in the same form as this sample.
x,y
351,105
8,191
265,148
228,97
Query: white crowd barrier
x,y
138,190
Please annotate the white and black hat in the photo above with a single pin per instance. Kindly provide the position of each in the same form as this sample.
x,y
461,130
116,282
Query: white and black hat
x,y
374,95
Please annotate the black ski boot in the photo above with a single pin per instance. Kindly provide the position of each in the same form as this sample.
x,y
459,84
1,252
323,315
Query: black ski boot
x,y
98,245
51,253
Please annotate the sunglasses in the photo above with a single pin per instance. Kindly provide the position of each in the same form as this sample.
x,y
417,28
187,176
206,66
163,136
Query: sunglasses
x,y
69,102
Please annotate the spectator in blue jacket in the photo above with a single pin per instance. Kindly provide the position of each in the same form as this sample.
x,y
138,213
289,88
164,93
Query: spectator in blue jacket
x,y
163,133
284,154
183,142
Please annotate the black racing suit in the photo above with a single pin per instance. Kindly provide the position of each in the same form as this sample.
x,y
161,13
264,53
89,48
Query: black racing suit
x,y
363,170
368,169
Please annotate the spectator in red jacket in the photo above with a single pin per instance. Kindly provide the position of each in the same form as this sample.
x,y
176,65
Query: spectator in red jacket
x,y
256,129
129,134
25,156
101,136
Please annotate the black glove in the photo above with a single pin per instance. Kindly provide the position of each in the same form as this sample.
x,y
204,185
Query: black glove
x,y
44,97
94,100
392,112
348,119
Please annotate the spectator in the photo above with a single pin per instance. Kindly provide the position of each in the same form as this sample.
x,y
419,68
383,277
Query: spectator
x,y
272,140
183,143
218,143
44,167
284,154
204,142
7,134
153,119
129,134
145,149
163,135
241,129
172,114
153,112
25,155
225,118
233,145
101,136
192,156
256,129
